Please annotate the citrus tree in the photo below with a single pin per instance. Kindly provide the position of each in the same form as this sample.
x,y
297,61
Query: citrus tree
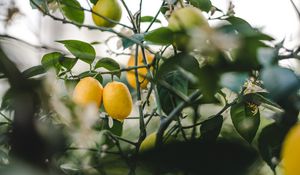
x,y
194,98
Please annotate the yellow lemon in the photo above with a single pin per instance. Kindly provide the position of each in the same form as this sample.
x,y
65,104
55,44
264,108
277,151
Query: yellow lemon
x,y
142,72
117,100
110,9
184,20
291,152
88,91
148,143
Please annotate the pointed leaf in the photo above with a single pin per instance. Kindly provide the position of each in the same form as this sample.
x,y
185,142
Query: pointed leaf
x,y
245,118
210,129
72,10
109,64
161,36
82,50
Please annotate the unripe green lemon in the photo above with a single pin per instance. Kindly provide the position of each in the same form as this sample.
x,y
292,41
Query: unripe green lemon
x,y
184,20
291,152
117,100
142,72
110,9
88,91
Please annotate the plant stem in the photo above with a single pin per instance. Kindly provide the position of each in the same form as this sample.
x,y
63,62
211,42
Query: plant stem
x,y
166,122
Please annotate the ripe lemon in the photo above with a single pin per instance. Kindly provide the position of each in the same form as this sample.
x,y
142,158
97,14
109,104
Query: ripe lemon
x,y
88,91
148,143
117,100
142,72
291,152
110,9
184,20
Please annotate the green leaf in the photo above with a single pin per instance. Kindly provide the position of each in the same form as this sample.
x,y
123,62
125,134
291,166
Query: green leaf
x,y
204,5
210,129
109,64
7,100
116,129
72,10
128,42
67,62
233,80
270,142
168,99
180,61
149,19
94,1
245,118
82,50
52,60
208,79
94,74
244,28
33,71
161,36
280,82
258,99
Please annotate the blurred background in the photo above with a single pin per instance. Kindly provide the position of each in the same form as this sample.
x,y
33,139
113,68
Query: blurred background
x,y
20,21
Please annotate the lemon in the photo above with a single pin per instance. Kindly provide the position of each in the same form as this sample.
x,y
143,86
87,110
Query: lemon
x,y
117,100
184,20
88,91
110,9
148,143
142,72
291,152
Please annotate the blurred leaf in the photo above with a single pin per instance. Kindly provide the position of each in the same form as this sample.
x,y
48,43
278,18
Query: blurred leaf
x,y
116,129
51,60
233,80
70,169
128,43
33,71
7,100
67,62
245,118
149,19
94,1
246,57
270,143
35,4
181,60
245,29
94,74
109,64
168,99
72,10
161,36
210,129
204,5
266,56
95,42
82,50
280,82
208,79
